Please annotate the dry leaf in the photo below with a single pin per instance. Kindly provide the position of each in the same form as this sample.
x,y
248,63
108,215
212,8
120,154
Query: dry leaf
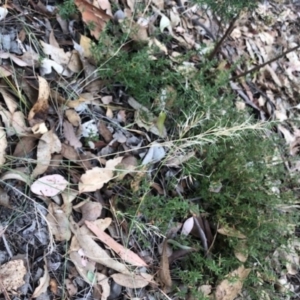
x,y
25,145
93,251
85,43
125,254
38,113
47,64
49,185
132,281
52,40
229,288
10,101
43,285
94,15
104,5
83,264
58,223
48,144
231,232
70,135
14,122
90,211
105,132
3,145
73,117
70,287
103,281
15,59
164,272
95,178
145,119
12,274
18,174
241,251
53,286
69,59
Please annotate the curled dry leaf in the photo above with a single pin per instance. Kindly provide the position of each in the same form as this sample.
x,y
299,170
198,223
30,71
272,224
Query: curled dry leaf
x,y
49,143
38,113
126,254
58,222
3,145
103,281
12,274
94,252
18,174
132,281
44,283
229,288
49,185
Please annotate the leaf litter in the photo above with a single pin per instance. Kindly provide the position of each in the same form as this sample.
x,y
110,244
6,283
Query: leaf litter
x,y
54,122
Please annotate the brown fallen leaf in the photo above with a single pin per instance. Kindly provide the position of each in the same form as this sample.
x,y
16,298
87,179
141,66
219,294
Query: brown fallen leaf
x,y
126,254
105,132
132,281
48,144
94,15
58,222
94,252
70,135
73,117
39,111
164,272
25,145
229,288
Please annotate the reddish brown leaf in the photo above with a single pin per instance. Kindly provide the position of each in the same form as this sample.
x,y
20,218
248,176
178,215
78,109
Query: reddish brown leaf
x,y
95,17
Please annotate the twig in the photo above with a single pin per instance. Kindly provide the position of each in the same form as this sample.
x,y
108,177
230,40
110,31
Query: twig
x,y
266,63
226,34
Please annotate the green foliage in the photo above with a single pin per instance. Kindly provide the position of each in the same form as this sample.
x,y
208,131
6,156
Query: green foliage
x,y
227,9
67,9
232,172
